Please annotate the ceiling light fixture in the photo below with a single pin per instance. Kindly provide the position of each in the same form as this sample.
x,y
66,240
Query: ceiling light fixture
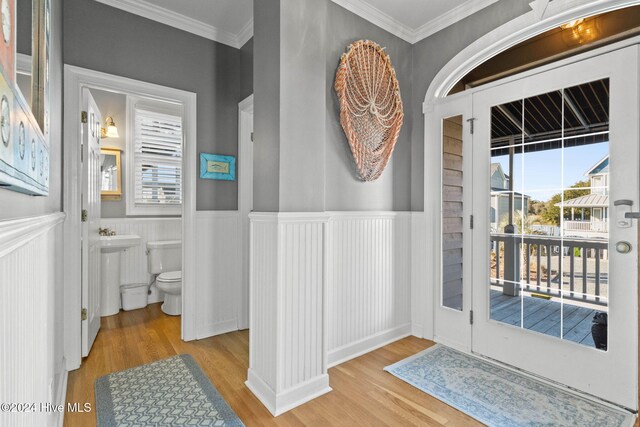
x,y
580,31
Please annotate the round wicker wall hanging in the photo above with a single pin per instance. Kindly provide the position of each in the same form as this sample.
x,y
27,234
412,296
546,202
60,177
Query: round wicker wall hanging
x,y
371,110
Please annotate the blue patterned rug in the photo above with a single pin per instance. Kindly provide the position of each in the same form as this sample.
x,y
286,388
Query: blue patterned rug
x,y
499,397
170,392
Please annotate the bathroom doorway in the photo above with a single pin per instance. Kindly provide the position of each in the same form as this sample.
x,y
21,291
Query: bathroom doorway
x,y
145,220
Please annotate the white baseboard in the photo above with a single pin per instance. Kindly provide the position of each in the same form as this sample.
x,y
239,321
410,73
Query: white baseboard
x,y
279,403
302,393
219,328
261,390
366,345
417,330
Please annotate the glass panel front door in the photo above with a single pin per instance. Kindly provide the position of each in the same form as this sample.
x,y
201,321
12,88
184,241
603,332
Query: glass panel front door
x,y
548,189
555,170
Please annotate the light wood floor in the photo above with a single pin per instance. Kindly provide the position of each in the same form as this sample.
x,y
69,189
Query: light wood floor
x,y
363,394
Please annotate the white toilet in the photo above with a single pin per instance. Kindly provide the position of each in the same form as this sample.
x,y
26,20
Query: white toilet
x,y
165,261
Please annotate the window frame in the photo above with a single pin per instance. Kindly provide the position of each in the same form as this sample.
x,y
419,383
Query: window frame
x,y
154,106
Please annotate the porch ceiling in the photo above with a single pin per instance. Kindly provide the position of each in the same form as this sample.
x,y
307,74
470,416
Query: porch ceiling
x,y
538,121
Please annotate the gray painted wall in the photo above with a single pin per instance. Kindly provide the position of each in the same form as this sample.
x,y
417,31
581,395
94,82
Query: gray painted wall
x,y
302,160
344,191
15,205
266,104
430,55
103,38
246,69
303,34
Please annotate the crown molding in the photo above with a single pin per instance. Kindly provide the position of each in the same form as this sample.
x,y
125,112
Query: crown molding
x,y
378,18
245,33
181,22
409,34
456,14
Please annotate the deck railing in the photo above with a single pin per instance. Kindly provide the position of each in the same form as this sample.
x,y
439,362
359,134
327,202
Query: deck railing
x,y
597,226
541,266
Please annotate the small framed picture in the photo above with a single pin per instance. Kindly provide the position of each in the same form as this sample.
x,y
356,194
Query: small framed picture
x,y
215,166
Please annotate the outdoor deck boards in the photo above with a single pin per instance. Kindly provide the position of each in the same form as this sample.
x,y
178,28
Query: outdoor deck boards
x,y
544,316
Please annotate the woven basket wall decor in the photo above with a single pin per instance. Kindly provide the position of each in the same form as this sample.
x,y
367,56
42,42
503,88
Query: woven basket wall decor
x,y
371,110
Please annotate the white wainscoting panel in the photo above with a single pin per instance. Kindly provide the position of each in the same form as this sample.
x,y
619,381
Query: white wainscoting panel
x,y
325,288
287,322
31,318
369,288
219,272
263,273
134,261
421,313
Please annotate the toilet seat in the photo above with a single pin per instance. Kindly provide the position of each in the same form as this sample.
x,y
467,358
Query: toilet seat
x,y
170,283
170,277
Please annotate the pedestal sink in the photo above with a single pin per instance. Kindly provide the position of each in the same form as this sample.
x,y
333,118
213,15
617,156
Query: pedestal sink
x,y
111,248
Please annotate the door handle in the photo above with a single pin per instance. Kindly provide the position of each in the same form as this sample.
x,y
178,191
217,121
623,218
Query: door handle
x,y
623,213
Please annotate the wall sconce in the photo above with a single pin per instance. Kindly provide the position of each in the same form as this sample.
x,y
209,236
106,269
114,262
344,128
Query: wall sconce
x,y
580,31
111,131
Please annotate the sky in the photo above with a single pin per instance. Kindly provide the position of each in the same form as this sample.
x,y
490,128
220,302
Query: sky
x,y
544,173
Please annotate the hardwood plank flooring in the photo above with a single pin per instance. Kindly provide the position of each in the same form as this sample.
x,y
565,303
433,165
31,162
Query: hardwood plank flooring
x,y
363,394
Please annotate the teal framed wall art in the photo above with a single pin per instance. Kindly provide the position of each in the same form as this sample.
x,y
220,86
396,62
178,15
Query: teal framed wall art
x,y
215,166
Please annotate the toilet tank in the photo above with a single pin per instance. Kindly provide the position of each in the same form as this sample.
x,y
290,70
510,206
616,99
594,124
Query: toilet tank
x,y
164,256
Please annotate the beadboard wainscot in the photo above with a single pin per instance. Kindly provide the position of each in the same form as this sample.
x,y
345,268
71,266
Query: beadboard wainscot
x,y
219,272
287,363
133,264
325,287
369,287
32,366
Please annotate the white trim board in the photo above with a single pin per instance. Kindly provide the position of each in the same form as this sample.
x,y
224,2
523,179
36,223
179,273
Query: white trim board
x,y
18,232
406,33
245,200
182,22
76,78
352,350
510,34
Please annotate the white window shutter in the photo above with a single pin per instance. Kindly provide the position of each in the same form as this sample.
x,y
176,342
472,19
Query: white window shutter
x,y
158,158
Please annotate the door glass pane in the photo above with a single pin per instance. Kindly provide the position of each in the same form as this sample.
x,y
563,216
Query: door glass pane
x,y
452,218
550,222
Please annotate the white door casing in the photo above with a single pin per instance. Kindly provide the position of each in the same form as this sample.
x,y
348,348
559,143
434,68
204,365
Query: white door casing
x,y
612,374
245,200
91,185
76,79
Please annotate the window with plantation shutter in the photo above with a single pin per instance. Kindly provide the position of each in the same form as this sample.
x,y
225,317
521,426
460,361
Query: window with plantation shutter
x,y
157,162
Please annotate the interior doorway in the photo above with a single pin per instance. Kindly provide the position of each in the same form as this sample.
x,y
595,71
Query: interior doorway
x,y
161,179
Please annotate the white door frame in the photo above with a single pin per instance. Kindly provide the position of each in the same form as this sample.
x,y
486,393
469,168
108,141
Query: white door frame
x,y
451,326
245,199
513,32
76,78
519,347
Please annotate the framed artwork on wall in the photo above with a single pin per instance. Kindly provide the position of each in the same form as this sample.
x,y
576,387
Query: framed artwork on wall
x,y
215,166
24,128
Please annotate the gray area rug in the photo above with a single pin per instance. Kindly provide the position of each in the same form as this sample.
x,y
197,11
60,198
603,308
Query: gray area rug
x,y
499,397
169,392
